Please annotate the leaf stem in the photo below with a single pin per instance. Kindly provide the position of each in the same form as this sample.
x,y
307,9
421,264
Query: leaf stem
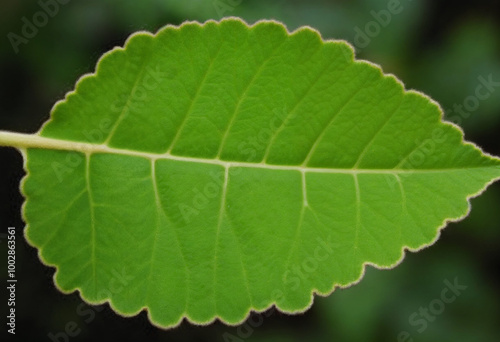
x,y
23,141
17,140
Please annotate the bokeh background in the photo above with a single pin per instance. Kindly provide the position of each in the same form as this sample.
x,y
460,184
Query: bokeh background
x,y
439,47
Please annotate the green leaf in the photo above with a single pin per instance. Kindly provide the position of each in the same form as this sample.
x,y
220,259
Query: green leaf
x,y
209,170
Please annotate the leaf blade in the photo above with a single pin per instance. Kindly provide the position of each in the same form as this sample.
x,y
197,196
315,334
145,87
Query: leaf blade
x,y
218,236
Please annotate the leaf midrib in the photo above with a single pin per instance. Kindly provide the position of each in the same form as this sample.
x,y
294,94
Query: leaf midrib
x,y
35,141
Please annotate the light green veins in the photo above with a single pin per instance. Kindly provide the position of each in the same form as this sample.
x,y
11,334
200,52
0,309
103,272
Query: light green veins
x,y
209,170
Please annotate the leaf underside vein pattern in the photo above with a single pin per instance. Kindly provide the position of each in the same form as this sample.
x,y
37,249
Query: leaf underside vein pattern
x,y
221,202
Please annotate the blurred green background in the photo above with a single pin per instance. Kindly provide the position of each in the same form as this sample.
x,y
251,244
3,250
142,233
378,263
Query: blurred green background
x,y
442,48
